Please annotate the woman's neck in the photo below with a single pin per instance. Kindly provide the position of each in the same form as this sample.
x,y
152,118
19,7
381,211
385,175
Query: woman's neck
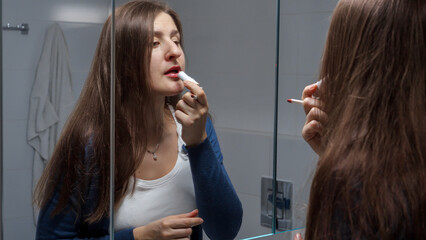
x,y
163,114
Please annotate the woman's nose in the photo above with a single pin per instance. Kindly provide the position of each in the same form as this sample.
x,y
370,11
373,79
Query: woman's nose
x,y
174,52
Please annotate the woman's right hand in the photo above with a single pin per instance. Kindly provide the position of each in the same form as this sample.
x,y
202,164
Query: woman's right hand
x,y
192,113
171,227
315,119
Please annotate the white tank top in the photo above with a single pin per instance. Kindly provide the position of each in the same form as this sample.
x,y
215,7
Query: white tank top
x,y
155,199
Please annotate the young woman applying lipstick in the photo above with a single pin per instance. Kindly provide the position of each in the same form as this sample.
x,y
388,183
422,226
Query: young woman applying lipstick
x,y
169,176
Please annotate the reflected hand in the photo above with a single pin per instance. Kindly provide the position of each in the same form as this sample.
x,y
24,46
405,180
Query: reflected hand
x,y
192,111
298,236
315,119
171,227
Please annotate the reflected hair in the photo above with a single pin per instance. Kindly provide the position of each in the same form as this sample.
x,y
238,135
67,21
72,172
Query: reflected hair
x,y
370,181
81,156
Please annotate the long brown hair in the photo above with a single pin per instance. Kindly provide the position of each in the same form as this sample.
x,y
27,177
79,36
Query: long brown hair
x,y
81,155
370,183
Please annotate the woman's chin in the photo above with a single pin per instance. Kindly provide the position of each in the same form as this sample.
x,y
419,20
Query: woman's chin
x,y
179,87
170,89
176,91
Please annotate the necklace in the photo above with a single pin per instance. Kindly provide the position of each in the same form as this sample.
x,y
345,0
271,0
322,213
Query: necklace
x,y
154,155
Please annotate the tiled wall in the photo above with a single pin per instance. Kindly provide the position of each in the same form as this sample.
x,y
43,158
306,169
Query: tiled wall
x,y
81,22
230,49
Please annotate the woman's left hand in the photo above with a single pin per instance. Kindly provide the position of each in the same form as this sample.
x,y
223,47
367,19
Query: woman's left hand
x,y
192,111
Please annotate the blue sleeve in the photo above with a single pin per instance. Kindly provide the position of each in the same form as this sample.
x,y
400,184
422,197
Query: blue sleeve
x,y
216,199
67,224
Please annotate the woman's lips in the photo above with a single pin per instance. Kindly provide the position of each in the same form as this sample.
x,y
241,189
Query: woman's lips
x,y
172,75
173,71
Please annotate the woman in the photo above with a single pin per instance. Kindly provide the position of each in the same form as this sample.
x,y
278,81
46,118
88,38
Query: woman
x,y
368,125
168,162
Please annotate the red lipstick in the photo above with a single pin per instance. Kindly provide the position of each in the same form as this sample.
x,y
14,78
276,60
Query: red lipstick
x,y
173,71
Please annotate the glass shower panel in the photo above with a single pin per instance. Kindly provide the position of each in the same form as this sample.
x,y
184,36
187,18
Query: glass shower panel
x,y
81,22
303,30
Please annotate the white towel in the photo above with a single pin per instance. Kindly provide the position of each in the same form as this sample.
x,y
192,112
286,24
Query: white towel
x,y
51,100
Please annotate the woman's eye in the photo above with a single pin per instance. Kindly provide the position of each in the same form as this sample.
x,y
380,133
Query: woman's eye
x,y
177,42
155,44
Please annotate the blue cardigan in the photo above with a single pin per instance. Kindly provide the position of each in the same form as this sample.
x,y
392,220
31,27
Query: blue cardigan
x,y
216,199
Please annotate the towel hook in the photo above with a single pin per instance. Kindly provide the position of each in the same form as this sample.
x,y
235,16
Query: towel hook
x,y
24,27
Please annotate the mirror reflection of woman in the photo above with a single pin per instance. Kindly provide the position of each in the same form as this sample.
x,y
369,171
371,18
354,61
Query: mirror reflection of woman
x,y
170,182
368,125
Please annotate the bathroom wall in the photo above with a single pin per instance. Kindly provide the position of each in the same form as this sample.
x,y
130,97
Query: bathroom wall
x,y
81,21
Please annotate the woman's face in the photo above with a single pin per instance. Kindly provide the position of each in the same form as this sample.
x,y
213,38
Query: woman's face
x,y
167,57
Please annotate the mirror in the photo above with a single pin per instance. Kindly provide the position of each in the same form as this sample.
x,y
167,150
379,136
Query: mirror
x,y
230,49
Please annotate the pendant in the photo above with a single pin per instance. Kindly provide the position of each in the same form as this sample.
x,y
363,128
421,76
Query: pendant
x,y
154,156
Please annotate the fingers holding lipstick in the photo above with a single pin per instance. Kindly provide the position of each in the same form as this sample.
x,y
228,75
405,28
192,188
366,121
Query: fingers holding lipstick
x,y
311,132
316,114
309,90
308,100
192,113
197,91
313,129
309,103
190,99
316,118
